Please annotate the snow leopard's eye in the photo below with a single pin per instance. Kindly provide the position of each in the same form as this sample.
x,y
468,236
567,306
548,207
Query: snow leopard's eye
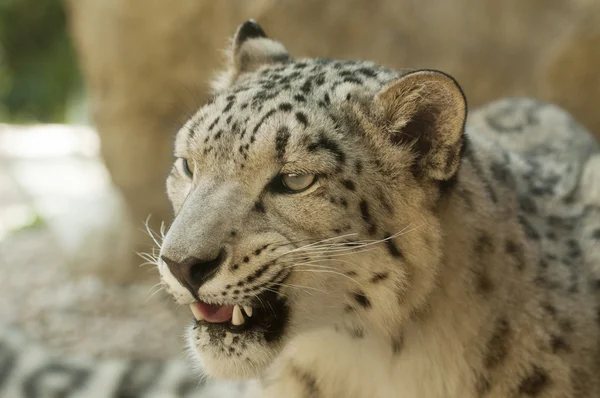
x,y
297,182
186,167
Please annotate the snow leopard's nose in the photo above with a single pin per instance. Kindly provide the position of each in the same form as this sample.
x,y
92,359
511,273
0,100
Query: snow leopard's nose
x,y
194,272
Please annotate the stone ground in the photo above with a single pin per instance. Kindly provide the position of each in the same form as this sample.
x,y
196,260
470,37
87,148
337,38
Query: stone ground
x,y
59,221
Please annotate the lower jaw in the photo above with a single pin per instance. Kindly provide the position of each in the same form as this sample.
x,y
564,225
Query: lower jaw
x,y
239,352
250,356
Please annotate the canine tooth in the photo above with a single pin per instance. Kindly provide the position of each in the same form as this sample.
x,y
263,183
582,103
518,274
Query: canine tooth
x,y
248,310
237,317
228,339
196,312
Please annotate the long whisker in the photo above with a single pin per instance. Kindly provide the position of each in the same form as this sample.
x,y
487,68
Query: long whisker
x,y
359,245
330,272
155,237
299,287
153,294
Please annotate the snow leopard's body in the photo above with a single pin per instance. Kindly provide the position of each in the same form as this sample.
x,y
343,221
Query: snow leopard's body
x,y
420,259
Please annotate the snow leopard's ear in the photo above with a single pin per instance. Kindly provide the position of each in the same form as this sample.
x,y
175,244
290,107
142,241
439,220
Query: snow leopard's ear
x,y
425,111
250,49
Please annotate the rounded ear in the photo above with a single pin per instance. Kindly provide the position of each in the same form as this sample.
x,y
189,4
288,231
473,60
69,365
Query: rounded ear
x,y
250,49
425,111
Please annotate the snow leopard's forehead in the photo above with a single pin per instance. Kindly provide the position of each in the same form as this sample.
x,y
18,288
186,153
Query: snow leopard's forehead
x,y
304,95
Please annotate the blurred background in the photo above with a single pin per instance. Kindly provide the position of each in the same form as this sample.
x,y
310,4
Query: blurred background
x,y
92,92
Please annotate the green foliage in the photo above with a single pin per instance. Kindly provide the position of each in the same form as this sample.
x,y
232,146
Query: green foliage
x,y
38,69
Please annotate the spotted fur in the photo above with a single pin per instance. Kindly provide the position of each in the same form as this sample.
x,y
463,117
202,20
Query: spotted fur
x,y
429,259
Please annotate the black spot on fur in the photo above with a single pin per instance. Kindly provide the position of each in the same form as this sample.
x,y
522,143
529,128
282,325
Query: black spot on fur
x,y
262,120
214,123
307,380
549,309
259,206
497,347
302,119
258,273
527,205
501,174
562,222
447,186
362,299
366,216
286,107
281,140
306,87
566,325
367,72
352,80
559,344
535,382
391,246
596,234
358,167
326,144
573,249
483,283
528,229
383,199
349,185
379,277
397,344
484,244
299,98
228,107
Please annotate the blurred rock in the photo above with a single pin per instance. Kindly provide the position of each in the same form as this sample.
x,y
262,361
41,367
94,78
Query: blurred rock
x,y
571,78
53,176
148,62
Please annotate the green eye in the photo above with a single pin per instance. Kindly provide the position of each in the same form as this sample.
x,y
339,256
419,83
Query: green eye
x,y
188,171
297,182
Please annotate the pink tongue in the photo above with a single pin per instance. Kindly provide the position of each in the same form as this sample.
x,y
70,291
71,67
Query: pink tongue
x,y
215,313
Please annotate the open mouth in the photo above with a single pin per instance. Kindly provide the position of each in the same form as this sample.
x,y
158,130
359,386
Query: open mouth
x,y
269,313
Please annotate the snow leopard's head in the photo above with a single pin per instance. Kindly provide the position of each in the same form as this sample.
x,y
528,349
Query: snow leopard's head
x,y
305,195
